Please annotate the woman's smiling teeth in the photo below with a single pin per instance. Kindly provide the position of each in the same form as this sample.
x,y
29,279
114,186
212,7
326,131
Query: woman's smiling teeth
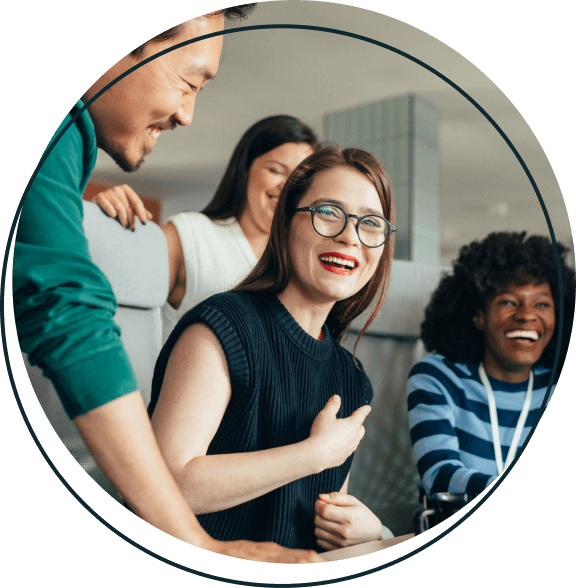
x,y
338,262
532,335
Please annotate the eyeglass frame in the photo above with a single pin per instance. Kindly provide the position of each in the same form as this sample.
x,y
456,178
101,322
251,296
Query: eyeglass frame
x,y
313,209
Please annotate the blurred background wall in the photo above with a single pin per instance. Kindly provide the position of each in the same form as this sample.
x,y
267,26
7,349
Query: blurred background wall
x,y
465,180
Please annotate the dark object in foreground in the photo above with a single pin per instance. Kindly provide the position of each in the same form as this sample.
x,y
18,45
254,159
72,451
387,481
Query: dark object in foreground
x,y
438,508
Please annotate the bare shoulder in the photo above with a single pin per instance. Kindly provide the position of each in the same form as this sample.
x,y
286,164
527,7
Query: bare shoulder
x,y
197,365
198,341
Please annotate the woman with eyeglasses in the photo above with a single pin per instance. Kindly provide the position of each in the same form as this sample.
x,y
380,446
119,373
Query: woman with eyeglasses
x,y
256,407
213,250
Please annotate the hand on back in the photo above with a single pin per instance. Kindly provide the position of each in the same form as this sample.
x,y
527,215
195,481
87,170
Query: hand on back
x,y
123,203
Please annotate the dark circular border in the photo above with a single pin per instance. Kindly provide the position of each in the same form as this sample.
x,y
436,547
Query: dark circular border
x,y
324,30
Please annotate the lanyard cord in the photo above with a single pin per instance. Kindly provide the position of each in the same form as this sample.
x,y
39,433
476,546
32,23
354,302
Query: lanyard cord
x,y
494,419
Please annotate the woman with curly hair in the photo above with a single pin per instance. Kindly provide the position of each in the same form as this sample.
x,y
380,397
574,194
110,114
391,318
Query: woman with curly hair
x,y
493,326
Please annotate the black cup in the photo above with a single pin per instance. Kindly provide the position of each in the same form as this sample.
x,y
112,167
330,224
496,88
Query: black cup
x,y
438,507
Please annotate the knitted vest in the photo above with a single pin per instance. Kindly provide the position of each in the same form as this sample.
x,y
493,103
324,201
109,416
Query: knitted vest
x,y
281,379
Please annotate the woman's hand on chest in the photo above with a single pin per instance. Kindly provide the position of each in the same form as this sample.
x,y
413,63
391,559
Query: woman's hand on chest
x,y
333,440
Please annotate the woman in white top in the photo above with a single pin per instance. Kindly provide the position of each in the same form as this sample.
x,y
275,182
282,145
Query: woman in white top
x,y
213,250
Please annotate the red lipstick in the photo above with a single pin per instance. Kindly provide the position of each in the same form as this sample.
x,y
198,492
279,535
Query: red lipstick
x,y
342,256
344,270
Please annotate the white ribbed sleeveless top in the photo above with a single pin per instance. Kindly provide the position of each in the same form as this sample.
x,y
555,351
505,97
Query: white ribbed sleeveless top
x,y
217,257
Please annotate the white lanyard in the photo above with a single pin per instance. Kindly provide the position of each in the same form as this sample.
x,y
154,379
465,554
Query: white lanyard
x,y
494,419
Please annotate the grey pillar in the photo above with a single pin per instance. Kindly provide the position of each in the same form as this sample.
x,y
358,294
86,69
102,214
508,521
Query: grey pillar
x,y
403,133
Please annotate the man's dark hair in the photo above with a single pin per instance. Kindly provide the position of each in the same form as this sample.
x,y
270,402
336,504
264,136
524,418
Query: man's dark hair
x,y
232,13
484,269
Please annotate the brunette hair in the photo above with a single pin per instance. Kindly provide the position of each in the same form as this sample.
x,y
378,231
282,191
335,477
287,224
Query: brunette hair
x,y
232,13
263,136
274,270
484,269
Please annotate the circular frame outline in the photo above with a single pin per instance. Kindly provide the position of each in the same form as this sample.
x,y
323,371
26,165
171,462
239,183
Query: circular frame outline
x,y
17,213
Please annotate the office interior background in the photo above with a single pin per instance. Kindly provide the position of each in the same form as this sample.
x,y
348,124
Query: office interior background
x,y
454,176
455,179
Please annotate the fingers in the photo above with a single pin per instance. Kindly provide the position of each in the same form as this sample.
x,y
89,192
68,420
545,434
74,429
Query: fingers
x,y
125,214
114,204
339,499
332,407
360,414
330,520
334,439
136,205
330,513
349,523
123,203
105,205
325,545
328,540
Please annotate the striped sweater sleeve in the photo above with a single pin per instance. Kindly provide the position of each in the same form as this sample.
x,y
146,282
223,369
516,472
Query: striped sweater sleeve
x,y
434,436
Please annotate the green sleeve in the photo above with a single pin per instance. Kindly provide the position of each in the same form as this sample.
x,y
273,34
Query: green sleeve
x,y
64,305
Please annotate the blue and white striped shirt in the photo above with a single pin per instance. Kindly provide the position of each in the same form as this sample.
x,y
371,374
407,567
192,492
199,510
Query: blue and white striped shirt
x,y
450,422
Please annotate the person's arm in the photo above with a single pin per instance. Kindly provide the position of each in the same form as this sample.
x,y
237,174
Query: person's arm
x,y
123,203
64,309
195,393
434,438
120,437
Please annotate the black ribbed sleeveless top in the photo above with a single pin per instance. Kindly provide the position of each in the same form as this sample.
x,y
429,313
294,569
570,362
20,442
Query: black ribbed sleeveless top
x,y
281,379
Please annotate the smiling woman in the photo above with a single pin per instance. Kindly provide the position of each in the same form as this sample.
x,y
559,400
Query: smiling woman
x,y
213,250
518,324
247,388
494,325
352,176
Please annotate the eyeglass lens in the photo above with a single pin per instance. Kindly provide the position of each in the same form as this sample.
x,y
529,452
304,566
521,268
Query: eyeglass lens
x,y
329,221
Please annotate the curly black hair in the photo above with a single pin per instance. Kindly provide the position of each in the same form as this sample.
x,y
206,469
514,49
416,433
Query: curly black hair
x,y
483,269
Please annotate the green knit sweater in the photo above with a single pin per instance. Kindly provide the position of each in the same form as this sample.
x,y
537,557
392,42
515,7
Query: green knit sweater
x,y
63,303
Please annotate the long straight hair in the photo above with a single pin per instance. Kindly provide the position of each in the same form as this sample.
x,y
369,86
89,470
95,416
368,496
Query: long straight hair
x,y
274,270
263,136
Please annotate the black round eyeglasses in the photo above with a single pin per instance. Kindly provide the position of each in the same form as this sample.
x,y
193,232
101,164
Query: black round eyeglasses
x,y
330,221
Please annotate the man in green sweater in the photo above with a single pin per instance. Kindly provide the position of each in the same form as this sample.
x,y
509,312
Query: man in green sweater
x,y
64,305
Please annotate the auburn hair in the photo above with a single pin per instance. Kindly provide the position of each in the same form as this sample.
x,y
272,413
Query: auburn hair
x,y
274,270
